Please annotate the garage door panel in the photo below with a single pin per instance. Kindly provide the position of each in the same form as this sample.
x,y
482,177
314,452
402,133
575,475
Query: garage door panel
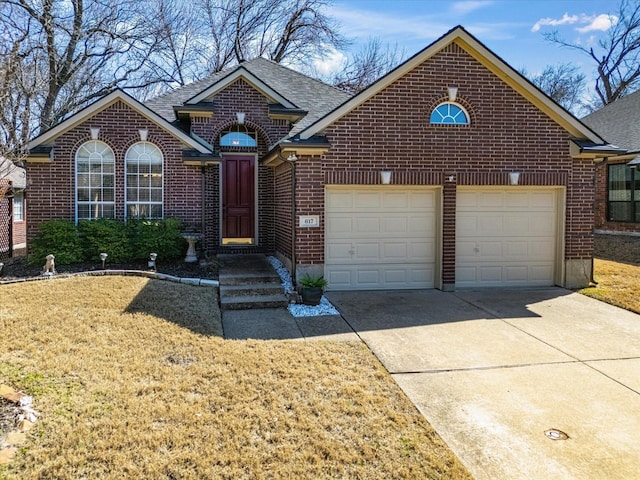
x,y
506,237
366,252
382,238
339,225
367,224
339,200
395,276
365,201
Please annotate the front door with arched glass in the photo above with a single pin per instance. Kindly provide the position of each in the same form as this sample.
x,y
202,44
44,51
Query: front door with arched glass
x,y
238,187
238,199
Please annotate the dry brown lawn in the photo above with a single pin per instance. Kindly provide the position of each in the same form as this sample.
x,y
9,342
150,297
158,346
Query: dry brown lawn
x,y
618,284
133,380
617,271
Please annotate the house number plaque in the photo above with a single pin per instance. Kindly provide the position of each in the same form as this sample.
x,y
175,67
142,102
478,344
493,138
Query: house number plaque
x,y
309,220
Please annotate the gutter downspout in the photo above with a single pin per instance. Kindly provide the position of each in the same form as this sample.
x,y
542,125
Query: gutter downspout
x,y
291,160
293,223
203,215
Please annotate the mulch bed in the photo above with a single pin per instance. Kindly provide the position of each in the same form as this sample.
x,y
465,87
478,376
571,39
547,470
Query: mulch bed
x,y
8,418
618,248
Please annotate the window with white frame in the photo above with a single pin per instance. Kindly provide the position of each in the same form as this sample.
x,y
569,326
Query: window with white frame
x,y
18,207
95,181
144,191
449,113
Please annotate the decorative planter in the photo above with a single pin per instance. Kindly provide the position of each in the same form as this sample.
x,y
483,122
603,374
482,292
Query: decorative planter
x,y
311,295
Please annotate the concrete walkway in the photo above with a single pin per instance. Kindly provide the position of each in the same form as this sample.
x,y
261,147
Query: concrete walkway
x,y
279,324
500,373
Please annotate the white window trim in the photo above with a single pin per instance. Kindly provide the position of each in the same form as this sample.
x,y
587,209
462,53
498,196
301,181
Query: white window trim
x,y
76,183
126,201
18,212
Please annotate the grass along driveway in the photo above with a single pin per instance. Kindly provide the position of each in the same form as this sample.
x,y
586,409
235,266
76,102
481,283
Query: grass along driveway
x,y
618,284
617,270
133,381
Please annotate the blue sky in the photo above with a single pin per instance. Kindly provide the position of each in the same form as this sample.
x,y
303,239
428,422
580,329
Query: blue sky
x,y
510,28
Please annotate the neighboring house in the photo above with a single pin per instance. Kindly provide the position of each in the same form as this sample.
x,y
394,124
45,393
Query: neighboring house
x,y
450,171
13,225
617,206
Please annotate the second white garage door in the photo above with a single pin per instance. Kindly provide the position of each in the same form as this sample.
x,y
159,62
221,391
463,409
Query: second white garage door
x,y
506,236
380,237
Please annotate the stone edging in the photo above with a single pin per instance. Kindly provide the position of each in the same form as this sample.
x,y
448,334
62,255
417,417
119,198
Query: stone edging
x,y
198,282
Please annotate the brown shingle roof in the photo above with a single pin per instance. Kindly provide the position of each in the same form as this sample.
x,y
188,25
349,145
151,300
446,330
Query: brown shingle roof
x,y
309,94
619,122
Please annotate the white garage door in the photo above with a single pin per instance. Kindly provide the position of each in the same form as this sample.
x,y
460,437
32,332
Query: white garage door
x,y
506,237
380,237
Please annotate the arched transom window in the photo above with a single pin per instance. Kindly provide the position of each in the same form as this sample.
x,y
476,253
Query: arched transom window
x,y
449,113
238,136
95,174
144,190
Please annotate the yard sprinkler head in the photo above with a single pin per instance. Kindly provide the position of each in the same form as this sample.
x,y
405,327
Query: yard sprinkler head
x,y
103,257
152,261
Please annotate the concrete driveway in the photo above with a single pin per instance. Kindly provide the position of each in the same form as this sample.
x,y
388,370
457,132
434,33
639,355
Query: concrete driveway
x,y
501,373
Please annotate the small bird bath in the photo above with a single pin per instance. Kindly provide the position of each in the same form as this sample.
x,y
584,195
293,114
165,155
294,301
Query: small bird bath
x,y
192,239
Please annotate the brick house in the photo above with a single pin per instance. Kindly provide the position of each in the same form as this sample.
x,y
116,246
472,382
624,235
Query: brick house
x,y
450,171
13,225
617,178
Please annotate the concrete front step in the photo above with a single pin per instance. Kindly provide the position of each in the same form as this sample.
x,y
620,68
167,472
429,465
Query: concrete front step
x,y
250,289
245,302
246,278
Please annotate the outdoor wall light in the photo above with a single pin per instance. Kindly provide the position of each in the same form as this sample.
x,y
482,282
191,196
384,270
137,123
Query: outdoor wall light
x,y
292,158
95,132
103,257
514,178
144,133
385,177
453,93
240,117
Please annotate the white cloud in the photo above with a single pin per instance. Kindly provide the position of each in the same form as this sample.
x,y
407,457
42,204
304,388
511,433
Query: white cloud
x,y
565,20
331,62
602,23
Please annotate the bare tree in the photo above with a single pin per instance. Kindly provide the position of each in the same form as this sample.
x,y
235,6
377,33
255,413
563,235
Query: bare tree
x,y
84,49
179,58
617,57
285,31
564,83
366,65
20,81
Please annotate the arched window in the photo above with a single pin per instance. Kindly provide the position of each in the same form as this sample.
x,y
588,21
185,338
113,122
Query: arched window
x,y
144,190
95,175
238,136
449,113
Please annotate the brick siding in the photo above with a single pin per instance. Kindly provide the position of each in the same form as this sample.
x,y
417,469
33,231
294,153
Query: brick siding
x,y
391,131
601,221
51,193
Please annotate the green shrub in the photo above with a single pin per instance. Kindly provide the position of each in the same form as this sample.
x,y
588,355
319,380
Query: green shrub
x,y
57,237
163,237
123,242
105,235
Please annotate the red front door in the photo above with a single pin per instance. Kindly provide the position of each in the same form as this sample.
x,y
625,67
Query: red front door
x,y
238,199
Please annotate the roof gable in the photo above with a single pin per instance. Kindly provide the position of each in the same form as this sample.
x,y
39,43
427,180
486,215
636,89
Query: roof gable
x,y
105,102
483,55
248,77
286,85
